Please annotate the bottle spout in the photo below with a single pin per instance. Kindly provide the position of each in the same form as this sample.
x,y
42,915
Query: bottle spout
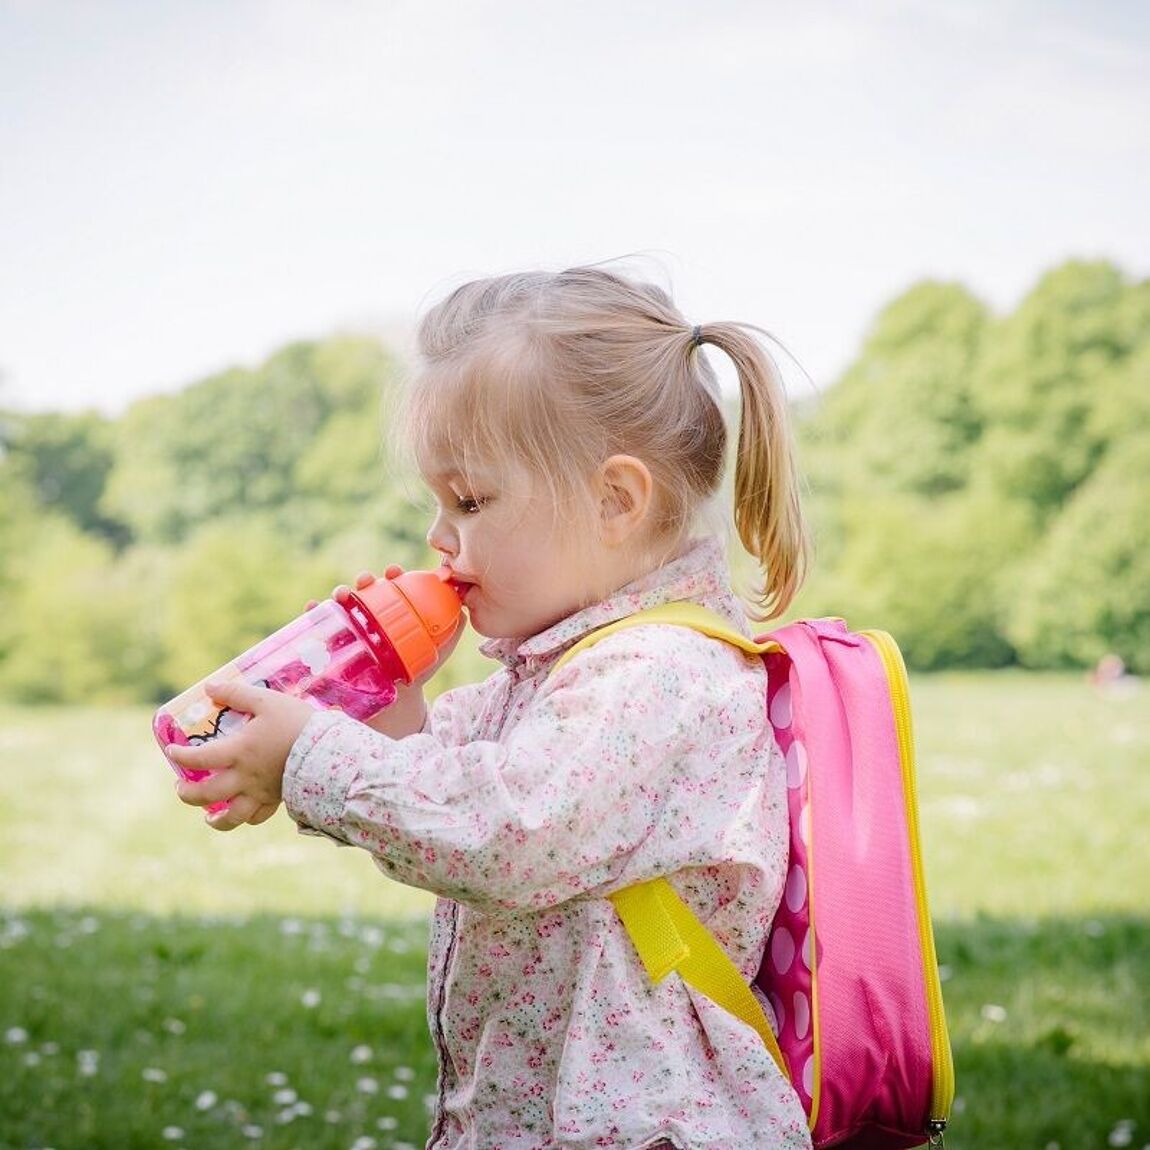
x,y
418,611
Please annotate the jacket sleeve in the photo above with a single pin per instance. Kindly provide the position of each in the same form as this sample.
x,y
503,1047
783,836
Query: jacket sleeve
x,y
623,766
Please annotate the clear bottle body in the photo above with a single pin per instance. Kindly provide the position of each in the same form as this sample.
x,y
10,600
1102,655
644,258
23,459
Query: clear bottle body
x,y
323,657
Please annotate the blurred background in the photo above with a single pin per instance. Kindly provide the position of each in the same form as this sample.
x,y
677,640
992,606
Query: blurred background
x,y
219,224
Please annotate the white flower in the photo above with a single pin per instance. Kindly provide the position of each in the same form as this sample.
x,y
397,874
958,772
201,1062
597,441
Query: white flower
x,y
276,1078
311,998
361,1054
992,1012
364,1142
284,1097
153,1074
252,1131
397,1091
405,1074
172,1133
174,1026
206,1099
367,1086
88,1062
389,1122
1123,1133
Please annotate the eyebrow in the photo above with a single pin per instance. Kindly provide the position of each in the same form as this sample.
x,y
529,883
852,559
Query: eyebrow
x,y
480,476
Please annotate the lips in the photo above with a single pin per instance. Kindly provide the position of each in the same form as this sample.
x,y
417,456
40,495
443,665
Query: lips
x,y
461,586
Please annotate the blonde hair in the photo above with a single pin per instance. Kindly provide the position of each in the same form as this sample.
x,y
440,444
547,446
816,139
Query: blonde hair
x,y
556,372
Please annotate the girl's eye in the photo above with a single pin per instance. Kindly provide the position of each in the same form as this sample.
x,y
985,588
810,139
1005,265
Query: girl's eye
x,y
469,505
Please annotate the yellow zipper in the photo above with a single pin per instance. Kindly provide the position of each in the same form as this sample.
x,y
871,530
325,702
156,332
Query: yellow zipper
x,y
942,1086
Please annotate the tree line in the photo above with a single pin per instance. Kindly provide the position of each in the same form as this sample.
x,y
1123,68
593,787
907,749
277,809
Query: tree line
x,y
981,483
979,486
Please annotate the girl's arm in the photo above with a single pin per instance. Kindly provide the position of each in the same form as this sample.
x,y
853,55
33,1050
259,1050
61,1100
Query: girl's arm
x,y
621,768
406,716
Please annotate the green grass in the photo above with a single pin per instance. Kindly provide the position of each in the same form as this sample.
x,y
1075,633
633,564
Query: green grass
x,y
161,985
127,1031
1034,795
88,816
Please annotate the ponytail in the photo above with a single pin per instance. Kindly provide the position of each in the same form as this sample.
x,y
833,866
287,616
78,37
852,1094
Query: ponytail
x,y
768,508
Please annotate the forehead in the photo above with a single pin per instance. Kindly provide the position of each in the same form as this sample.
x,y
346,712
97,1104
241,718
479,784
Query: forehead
x,y
451,470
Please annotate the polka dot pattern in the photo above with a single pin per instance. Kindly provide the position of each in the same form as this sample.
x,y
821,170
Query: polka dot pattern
x,y
787,974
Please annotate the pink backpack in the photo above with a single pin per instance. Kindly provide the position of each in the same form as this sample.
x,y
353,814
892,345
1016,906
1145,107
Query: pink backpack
x,y
850,969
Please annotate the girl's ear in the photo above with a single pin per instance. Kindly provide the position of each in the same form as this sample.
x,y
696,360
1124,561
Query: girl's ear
x,y
625,489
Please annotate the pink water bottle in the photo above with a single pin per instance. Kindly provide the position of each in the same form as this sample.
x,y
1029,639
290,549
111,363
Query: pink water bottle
x,y
347,654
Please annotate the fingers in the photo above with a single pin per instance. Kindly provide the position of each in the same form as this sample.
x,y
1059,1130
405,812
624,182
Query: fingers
x,y
362,580
217,788
238,695
226,810
235,814
214,756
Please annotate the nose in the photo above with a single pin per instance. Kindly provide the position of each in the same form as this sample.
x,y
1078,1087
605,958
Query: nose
x,y
442,538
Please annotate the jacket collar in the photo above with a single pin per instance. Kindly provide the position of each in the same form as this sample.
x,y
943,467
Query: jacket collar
x,y
698,575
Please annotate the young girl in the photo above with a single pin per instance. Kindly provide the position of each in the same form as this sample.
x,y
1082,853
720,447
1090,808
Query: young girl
x,y
571,433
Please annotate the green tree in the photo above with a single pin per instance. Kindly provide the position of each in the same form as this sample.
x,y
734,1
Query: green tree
x,y
931,571
78,622
1086,589
63,461
902,418
1046,374
946,469
241,441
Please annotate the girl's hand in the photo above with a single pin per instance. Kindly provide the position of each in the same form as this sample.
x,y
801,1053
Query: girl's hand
x,y
248,765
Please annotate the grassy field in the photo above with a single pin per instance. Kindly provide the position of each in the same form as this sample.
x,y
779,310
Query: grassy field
x,y
163,985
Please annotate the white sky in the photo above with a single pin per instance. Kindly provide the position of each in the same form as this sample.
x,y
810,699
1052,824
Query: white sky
x,y
188,185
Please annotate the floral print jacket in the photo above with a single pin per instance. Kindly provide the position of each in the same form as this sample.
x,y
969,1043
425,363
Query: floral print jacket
x,y
526,800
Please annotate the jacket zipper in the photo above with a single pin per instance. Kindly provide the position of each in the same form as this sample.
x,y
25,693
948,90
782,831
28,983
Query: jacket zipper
x,y
440,1041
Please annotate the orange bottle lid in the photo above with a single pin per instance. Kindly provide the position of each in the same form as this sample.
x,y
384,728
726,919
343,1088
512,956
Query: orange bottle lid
x,y
418,611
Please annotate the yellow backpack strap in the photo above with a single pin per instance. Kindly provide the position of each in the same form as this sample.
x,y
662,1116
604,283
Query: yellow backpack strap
x,y
665,931
667,936
677,614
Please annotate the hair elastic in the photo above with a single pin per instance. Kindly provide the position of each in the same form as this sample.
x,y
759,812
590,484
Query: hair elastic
x,y
697,335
